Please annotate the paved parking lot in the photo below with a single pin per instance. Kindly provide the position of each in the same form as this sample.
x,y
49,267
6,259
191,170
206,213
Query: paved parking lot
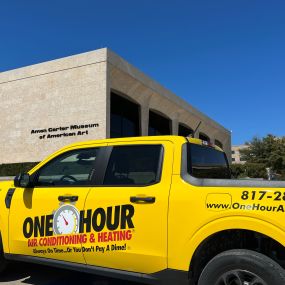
x,y
24,273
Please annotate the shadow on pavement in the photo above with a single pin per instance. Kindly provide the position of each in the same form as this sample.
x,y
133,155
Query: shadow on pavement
x,y
24,273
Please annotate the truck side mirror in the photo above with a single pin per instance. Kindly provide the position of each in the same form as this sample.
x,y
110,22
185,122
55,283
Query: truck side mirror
x,y
22,180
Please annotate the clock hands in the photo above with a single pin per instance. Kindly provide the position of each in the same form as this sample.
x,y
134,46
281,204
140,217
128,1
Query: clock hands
x,y
66,222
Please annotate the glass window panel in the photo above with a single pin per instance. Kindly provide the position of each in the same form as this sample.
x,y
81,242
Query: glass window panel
x,y
158,125
204,137
125,117
207,162
134,165
72,168
184,131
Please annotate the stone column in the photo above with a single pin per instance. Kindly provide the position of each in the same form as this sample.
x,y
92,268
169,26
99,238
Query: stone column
x,y
144,105
175,122
144,119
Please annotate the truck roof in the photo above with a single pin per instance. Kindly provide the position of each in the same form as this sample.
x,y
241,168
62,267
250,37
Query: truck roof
x,y
173,138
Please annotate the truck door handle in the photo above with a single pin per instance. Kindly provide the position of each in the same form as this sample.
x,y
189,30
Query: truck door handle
x,y
142,200
68,198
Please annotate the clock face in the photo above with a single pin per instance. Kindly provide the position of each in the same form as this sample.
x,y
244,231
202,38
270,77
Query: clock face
x,y
66,220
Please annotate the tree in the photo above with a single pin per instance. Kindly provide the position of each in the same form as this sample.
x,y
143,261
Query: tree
x,y
268,152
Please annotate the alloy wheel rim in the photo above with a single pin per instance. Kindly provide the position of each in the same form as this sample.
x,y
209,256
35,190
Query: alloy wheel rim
x,y
240,277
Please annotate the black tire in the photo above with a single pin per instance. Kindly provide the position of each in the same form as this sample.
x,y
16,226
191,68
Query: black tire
x,y
241,266
3,261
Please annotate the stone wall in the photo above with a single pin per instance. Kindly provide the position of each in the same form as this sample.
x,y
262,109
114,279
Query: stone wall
x,y
125,79
41,104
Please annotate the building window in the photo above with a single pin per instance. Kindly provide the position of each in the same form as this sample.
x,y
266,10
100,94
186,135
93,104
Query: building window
x,y
184,131
125,117
158,125
233,152
204,137
233,159
219,144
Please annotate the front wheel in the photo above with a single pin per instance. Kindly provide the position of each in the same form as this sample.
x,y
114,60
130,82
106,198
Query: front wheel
x,y
242,267
3,261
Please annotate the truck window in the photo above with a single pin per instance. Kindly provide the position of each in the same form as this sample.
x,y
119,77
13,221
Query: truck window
x,y
71,168
134,165
207,162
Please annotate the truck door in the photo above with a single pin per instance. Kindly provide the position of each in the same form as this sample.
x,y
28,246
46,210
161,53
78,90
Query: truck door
x,y
130,209
44,220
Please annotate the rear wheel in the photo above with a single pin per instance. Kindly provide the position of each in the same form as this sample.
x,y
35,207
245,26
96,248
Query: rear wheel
x,y
242,267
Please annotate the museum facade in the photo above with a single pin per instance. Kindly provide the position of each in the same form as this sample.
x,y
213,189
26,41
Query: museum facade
x,y
90,96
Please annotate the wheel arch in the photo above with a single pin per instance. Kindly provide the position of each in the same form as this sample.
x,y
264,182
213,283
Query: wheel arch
x,y
242,266
227,233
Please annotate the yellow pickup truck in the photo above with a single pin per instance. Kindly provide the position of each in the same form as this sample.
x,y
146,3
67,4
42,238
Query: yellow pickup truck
x,y
161,210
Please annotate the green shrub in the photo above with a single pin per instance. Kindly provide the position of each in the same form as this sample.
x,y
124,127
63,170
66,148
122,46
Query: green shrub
x,y
13,169
252,170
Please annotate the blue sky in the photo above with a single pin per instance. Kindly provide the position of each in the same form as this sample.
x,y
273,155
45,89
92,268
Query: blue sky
x,y
225,57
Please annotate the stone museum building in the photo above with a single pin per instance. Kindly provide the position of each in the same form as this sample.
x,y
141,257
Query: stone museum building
x,y
90,96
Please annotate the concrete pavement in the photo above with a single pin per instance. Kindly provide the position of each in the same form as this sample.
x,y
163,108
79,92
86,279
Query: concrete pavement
x,y
25,273
6,178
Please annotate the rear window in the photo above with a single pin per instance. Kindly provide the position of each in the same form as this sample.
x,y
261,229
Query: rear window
x,y
207,162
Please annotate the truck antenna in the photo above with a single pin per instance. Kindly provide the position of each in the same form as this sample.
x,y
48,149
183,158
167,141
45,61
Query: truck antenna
x,y
197,128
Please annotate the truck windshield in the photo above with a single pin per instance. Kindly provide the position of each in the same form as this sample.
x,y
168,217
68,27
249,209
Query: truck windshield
x,y
207,162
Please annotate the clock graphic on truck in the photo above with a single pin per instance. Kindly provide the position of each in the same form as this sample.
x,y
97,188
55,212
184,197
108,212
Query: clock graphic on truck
x,y
66,220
